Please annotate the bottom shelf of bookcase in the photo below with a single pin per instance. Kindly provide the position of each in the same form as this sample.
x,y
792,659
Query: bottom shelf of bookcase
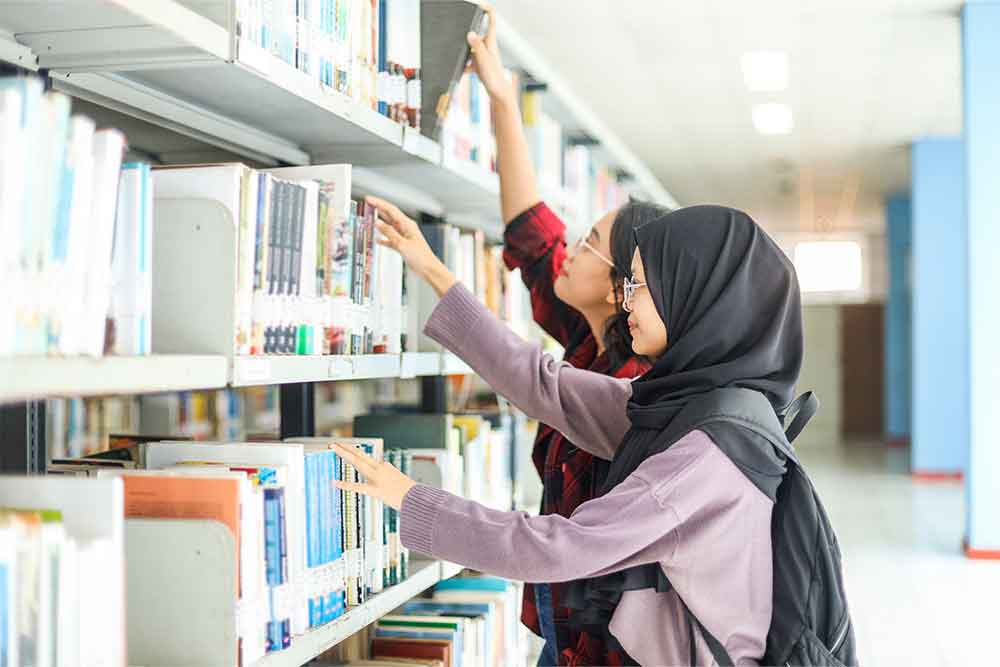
x,y
304,648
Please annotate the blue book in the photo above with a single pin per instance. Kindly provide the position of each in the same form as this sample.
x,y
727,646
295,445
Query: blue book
x,y
489,584
4,615
272,559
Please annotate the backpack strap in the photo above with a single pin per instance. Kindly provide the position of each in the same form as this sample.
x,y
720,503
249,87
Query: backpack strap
x,y
719,651
804,407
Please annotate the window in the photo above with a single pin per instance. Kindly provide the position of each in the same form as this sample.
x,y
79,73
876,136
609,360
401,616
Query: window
x,y
829,266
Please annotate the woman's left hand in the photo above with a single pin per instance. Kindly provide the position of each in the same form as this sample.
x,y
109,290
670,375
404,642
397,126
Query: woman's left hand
x,y
385,482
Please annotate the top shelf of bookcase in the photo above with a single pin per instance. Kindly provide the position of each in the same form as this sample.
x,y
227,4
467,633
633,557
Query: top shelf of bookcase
x,y
179,64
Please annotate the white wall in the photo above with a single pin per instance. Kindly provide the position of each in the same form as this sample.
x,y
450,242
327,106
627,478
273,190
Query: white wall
x,y
821,373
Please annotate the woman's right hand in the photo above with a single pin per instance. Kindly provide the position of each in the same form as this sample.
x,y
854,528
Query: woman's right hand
x,y
486,62
403,235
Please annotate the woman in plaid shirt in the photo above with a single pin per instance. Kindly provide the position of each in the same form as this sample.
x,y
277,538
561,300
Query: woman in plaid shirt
x,y
575,297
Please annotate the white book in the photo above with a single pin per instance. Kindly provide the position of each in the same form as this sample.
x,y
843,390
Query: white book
x,y
160,454
74,238
12,172
109,146
69,605
131,295
9,590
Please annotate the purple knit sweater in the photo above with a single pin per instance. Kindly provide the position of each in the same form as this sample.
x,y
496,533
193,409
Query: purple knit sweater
x,y
689,509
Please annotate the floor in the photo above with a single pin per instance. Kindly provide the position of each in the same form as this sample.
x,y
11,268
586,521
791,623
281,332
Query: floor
x,y
915,598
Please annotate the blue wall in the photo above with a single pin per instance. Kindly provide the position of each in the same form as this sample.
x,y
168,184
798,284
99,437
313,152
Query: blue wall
x,y
898,385
940,405
981,63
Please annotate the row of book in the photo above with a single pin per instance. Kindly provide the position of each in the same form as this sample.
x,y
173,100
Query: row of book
x,y
467,621
310,278
480,268
468,136
586,187
366,49
81,427
304,551
47,579
75,264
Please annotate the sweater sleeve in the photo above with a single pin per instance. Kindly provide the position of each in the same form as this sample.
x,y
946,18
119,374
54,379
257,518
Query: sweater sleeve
x,y
588,408
551,548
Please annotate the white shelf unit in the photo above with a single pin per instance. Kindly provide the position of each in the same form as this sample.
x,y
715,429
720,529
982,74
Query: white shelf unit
x,y
26,378
305,647
452,365
194,594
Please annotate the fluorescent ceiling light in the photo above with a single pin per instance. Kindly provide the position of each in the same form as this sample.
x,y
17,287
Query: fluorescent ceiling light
x,y
765,71
772,118
828,266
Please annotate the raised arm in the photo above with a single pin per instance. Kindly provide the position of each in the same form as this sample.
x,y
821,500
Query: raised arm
x,y
587,407
518,187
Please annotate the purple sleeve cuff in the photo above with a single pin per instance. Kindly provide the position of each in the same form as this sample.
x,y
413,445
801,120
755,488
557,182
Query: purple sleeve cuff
x,y
418,517
454,317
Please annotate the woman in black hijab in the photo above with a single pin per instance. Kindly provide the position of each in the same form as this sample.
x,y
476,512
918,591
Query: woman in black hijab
x,y
684,513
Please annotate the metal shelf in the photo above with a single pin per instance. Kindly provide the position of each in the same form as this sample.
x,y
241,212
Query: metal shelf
x,y
452,365
249,371
26,378
306,647
419,364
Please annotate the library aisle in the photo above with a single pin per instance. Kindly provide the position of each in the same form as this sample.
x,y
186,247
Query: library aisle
x,y
225,226
904,575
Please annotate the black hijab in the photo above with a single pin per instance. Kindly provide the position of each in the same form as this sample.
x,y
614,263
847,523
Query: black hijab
x,y
730,301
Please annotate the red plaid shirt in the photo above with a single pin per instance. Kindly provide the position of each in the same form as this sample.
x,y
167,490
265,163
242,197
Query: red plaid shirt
x,y
535,243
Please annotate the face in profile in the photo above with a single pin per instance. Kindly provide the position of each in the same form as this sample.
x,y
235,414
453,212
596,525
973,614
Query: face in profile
x,y
649,332
584,281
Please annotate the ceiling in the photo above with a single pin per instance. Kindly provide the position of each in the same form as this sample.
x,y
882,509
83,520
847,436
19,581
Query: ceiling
x,y
866,78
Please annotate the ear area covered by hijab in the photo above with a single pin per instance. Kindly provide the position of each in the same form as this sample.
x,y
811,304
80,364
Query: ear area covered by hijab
x,y
730,301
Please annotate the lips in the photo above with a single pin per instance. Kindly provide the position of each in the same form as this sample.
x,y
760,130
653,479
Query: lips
x,y
632,326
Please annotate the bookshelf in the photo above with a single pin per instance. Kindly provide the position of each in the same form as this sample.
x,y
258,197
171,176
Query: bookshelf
x,y
180,66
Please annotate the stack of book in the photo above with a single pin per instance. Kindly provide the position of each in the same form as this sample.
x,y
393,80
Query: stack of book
x,y
46,579
478,267
469,621
77,230
366,49
61,574
304,551
462,454
467,135
79,427
310,279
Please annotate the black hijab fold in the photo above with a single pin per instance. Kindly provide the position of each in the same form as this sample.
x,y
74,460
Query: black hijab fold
x,y
730,300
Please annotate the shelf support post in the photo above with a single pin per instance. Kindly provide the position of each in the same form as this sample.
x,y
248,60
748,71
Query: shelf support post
x,y
298,410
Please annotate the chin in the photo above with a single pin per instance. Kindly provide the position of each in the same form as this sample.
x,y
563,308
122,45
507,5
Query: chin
x,y
559,287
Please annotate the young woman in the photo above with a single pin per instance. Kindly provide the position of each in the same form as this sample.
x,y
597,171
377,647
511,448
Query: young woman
x,y
714,303
574,299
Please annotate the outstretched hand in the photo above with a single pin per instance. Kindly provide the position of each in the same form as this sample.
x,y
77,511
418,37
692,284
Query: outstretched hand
x,y
402,234
384,481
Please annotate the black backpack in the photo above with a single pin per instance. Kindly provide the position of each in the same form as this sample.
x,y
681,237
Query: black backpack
x,y
810,622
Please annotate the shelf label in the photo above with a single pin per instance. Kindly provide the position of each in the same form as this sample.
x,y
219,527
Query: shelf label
x,y
254,370
340,368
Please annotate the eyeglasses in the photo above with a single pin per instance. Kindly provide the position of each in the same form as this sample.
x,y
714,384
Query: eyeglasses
x,y
582,243
629,287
